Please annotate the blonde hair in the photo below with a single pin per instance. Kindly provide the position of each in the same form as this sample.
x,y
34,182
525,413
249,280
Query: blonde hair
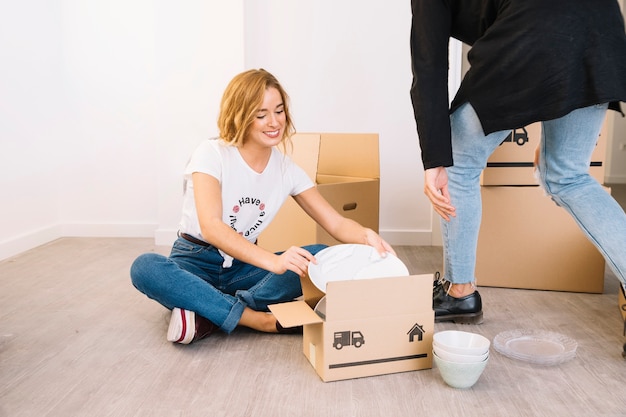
x,y
241,101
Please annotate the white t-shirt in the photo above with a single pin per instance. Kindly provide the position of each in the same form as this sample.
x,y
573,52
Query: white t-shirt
x,y
250,200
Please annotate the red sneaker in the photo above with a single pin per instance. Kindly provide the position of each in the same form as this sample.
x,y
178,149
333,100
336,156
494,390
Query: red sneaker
x,y
187,326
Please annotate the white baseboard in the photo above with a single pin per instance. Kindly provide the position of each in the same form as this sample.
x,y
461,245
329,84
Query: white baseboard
x,y
407,237
22,243
162,237
18,244
615,179
165,237
108,230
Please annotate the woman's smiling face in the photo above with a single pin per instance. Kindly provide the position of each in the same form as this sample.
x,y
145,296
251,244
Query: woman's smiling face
x,y
268,126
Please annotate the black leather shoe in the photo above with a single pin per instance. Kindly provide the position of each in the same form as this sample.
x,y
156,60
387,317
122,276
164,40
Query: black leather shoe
x,y
465,310
289,330
438,286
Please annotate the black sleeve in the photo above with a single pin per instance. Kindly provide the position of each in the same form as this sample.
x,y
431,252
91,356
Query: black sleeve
x,y
430,36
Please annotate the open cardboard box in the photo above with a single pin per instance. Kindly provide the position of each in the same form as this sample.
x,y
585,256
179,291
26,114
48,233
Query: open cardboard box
x,y
346,169
512,162
527,241
371,327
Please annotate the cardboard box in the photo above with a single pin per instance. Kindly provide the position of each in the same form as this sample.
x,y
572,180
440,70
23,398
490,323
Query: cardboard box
x,y
512,162
527,241
371,327
346,169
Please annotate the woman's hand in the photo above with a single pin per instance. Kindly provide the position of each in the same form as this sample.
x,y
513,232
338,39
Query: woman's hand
x,y
294,259
373,239
436,189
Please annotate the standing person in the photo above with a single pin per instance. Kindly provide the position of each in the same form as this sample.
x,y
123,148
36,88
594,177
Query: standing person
x,y
216,276
558,62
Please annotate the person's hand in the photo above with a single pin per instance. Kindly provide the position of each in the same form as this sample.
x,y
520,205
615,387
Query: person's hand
x,y
436,189
373,239
294,259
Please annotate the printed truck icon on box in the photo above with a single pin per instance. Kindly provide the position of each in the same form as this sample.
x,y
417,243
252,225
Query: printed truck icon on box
x,y
347,338
518,137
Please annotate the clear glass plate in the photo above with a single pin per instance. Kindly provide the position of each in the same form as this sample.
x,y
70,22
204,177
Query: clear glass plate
x,y
536,346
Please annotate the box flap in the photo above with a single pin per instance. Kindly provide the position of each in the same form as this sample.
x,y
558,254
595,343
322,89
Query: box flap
x,y
341,154
324,179
311,293
305,152
349,154
362,299
294,313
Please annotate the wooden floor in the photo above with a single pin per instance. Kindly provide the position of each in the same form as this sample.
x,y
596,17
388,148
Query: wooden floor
x,y
76,339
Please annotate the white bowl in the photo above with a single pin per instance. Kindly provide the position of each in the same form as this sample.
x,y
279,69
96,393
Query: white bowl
x,y
456,357
460,375
454,350
464,343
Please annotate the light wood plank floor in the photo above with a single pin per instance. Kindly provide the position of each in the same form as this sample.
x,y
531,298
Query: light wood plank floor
x,y
76,339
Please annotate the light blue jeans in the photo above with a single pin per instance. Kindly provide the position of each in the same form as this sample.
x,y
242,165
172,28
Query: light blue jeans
x,y
565,153
192,278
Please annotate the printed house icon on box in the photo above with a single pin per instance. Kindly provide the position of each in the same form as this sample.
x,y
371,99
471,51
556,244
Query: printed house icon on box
x,y
416,330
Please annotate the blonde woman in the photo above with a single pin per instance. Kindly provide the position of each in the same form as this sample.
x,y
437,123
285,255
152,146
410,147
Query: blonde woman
x,y
216,276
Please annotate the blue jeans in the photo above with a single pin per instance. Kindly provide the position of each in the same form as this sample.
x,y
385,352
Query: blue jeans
x,y
565,153
192,278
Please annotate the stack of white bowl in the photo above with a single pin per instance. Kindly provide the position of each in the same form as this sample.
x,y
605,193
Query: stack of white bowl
x,y
461,357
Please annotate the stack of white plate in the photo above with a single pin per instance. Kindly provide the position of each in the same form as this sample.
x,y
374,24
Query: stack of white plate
x,y
353,262
460,356
536,346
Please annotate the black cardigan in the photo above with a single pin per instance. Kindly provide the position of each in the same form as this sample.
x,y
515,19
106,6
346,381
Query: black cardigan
x,y
531,60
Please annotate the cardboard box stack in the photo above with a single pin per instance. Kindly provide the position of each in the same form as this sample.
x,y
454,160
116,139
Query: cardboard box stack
x,y
526,240
346,169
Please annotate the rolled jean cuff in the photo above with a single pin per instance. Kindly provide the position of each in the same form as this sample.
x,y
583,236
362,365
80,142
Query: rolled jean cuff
x,y
233,318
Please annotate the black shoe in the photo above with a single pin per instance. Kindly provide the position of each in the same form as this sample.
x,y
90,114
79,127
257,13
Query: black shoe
x,y
289,330
464,310
438,285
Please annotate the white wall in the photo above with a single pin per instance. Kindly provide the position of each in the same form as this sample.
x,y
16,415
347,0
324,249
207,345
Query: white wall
x,y
346,66
101,104
145,80
104,101
31,125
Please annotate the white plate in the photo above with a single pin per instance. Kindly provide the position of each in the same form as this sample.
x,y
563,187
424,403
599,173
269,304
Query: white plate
x,y
320,308
352,262
536,346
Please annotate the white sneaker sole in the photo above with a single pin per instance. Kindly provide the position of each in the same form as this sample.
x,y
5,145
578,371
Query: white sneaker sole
x,y
182,328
